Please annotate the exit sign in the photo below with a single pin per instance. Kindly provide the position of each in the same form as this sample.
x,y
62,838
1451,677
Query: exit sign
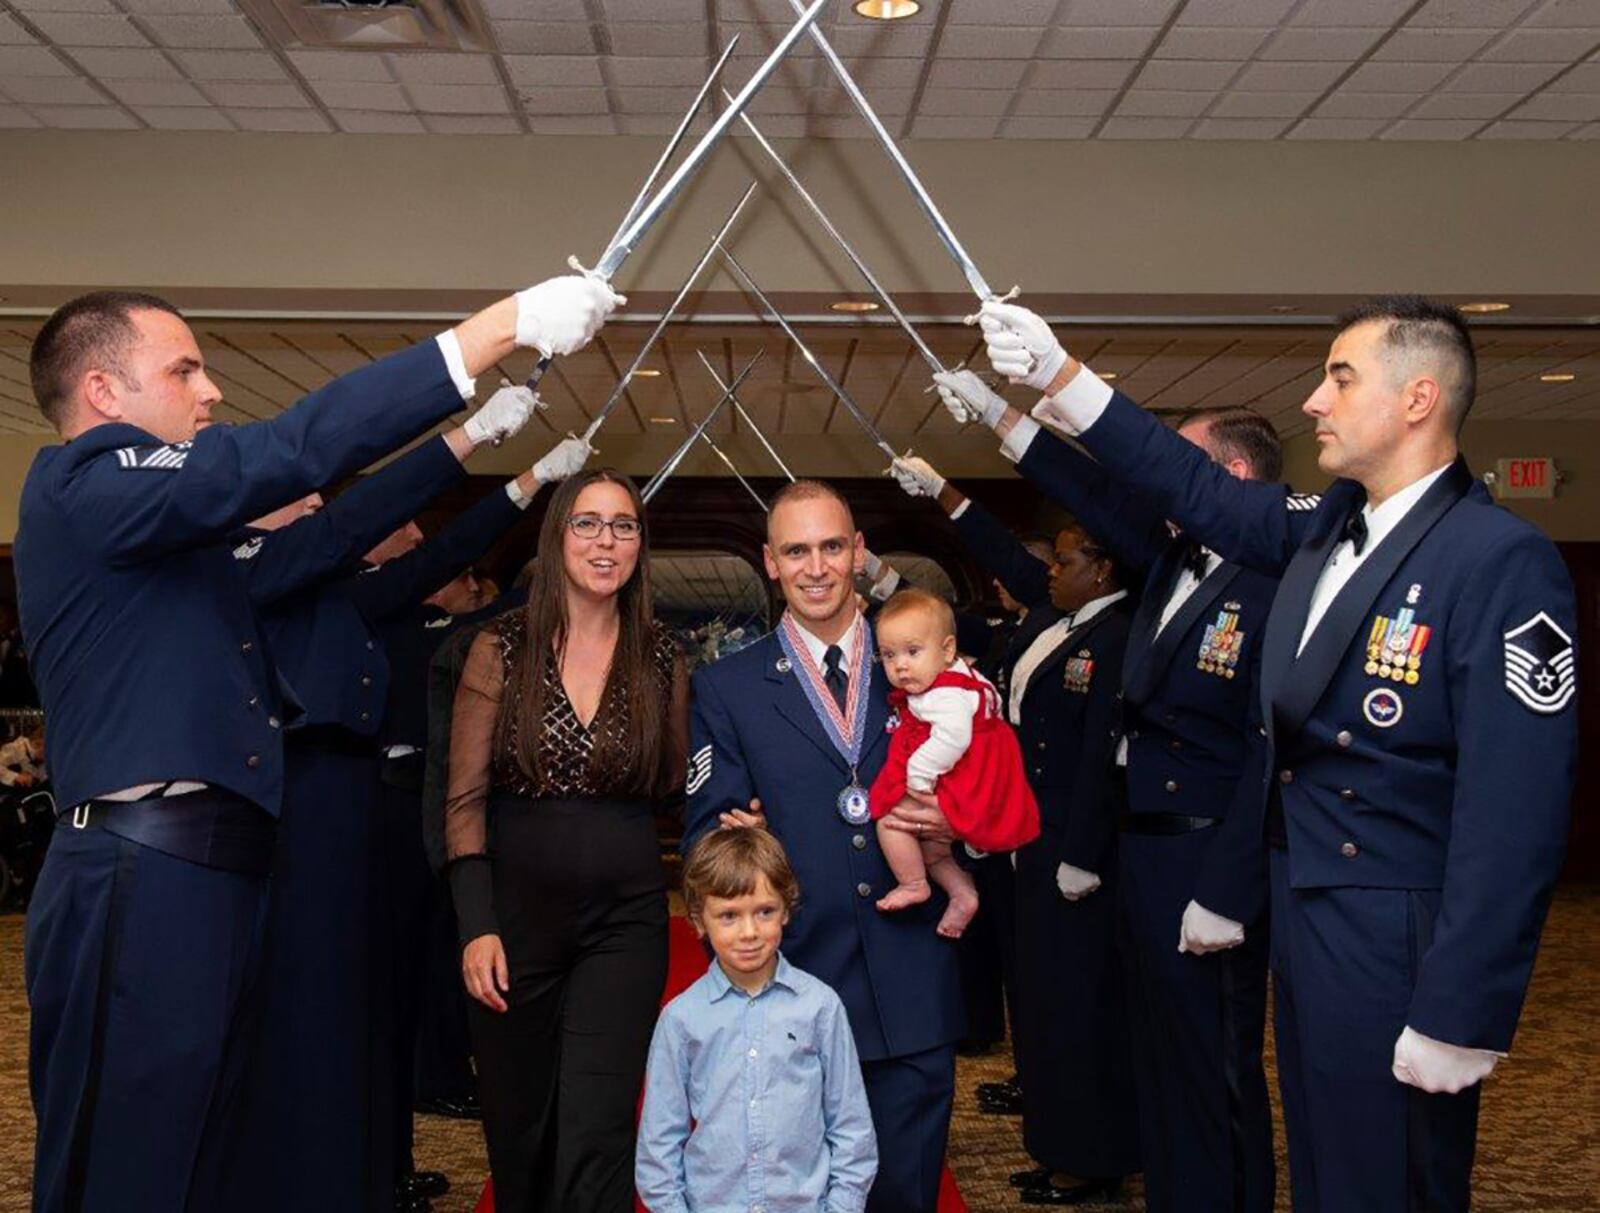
x,y
1536,477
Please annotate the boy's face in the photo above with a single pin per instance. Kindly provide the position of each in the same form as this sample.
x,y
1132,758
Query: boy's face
x,y
745,932
913,651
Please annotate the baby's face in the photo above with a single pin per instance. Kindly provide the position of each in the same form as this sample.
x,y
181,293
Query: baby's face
x,y
913,651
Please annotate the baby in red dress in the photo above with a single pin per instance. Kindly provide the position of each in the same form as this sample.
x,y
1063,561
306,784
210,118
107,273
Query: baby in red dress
x,y
951,739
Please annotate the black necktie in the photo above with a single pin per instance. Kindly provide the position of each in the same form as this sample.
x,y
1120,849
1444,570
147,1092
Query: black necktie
x,y
1355,530
1194,558
833,674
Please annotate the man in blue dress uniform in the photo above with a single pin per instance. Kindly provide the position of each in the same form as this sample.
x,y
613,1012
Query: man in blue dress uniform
x,y
166,714
1419,734
788,734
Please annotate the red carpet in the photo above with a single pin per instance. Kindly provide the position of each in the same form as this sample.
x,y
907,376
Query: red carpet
x,y
686,960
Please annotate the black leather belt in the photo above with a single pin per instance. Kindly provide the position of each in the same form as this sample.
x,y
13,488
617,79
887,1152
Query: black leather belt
x,y
211,828
1163,823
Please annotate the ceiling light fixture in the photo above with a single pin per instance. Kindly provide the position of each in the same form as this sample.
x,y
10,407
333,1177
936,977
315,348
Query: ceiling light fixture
x,y
663,421
887,10
646,372
1557,377
1108,376
854,305
1484,309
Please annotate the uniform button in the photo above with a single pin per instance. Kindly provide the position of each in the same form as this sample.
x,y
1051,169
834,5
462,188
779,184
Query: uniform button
x,y
1133,734
253,761
859,842
247,646
1174,744
1039,745
1349,850
1285,776
366,680
366,715
1262,729
252,701
1347,794
273,722
752,1051
1172,785
864,889
1343,739
370,646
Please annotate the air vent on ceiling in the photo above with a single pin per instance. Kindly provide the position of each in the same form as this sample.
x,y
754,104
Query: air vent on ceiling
x,y
373,25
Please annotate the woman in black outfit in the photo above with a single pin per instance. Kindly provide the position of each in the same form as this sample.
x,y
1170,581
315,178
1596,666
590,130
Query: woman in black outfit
x,y
571,721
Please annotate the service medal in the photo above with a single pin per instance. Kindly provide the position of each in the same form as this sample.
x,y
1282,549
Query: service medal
x,y
845,727
854,805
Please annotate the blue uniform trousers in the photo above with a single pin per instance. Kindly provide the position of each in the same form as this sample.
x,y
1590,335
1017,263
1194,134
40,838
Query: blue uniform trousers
x,y
139,968
1377,1145
1286,1045
910,1099
1198,1023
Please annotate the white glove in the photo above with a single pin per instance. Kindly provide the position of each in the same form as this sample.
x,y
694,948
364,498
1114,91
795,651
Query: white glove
x,y
562,315
916,477
871,566
1437,1068
969,398
506,412
1074,883
1202,931
1021,346
565,459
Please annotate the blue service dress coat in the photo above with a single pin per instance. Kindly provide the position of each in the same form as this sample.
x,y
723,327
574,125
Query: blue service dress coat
x,y
1421,751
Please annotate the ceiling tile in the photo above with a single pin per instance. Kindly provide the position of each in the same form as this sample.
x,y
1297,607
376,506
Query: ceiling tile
x,y
85,117
1065,102
854,42
75,29
30,61
946,102
109,63
1288,77
156,93
757,40
359,122
12,34
183,118
1592,131
1567,14
975,73
230,65
573,124
1351,12
1341,45
979,42
1234,12
553,102
1096,43
434,68
1081,73
1263,105
360,95
203,33
1465,105
1239,128
655,10
1435,45
1336,128
1529,130
1397,77
220,8
659,70
837,128
296,121
1585,78
13,118
1196,42
885,73
1012,12
1161,103
1561,107
1115,12
1419,128
64,6
346,67
665,124
972,126
884,101
1189,74
1144,128
257,96
1543,46
1366,105
459,98
773,99
1501,77
545,38
658,38
1472,13
52,90
1041,127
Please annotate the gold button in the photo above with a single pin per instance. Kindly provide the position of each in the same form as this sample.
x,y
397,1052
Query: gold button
x,y
1349,850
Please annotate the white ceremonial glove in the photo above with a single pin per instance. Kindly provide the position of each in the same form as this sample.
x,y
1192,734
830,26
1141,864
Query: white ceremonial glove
x,y
871,566
565,459
506,412
1437,1068
1021,345
969,398
916,477
1074,883
562,315
1202,931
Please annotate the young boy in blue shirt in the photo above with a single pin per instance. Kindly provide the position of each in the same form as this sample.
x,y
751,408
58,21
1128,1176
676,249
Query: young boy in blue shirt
x,y
753,1095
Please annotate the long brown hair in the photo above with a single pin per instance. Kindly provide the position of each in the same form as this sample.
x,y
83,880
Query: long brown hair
x,y
634,683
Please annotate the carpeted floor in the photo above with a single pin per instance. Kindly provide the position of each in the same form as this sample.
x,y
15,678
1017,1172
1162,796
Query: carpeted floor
x,y
1539,1142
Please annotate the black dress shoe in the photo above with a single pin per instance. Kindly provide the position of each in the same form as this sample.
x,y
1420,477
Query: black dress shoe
x,y
1010,1089
1034,1177
424,1183
411,1203
1001,1106
457,1109
1079,1194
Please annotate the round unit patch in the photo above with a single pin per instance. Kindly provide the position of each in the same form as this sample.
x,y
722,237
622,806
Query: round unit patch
x,y
1383,708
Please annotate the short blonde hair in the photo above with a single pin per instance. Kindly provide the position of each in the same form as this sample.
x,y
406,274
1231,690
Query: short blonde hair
x,y
726,863
910,599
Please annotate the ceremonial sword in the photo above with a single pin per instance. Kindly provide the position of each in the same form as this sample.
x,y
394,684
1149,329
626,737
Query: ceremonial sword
x,y
676,458
748,420
624,243
722,455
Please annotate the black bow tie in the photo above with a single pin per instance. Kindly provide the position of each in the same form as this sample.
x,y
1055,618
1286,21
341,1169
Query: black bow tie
x,y
1355,530
1195,559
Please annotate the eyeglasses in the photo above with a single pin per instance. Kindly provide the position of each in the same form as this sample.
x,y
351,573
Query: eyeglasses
x,y
589,526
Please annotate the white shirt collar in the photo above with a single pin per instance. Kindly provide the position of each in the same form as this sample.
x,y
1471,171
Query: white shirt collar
x,y
1387,516
818,647
1094,606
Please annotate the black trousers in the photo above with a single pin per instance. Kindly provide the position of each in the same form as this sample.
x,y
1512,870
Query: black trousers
x,y
580,898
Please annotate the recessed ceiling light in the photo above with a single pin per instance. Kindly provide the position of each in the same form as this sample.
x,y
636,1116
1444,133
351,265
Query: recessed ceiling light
x,y
1557,377
663,421
854,305
1108,376
646,372
1484,309
887,10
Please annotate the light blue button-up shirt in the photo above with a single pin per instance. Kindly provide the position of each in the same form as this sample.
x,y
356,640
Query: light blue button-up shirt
x,y
755,1103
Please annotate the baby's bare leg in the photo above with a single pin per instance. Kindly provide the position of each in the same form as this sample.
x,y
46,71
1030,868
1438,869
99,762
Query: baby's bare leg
x,y
958,885
905,861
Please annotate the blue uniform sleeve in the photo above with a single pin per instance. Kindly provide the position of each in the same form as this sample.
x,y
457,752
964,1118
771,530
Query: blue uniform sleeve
x,y
1250,522
331,541
1025,576
846,1116
1512,665
1124,520
1232,880
719,778
138,502
406,581
664,1123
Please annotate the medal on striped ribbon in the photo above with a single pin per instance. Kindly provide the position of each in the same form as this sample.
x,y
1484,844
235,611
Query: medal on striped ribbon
x,y
845,728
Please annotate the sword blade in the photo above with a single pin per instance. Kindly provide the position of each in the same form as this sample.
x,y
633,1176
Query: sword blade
x,y
638,360
676,458
723,455
618,253
928,355
947,236
746,418
805,352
